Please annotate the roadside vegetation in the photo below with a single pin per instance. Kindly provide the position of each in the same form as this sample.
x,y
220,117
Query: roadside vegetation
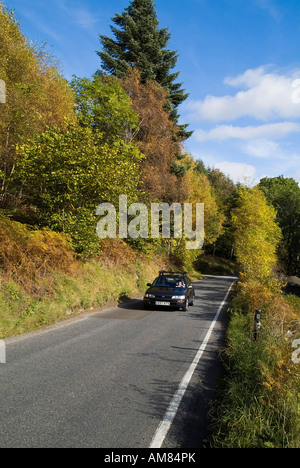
x,y
65,148
42,282
258,404
68,147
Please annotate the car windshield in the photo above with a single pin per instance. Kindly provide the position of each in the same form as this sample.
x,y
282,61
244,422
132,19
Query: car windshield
x,y
170,282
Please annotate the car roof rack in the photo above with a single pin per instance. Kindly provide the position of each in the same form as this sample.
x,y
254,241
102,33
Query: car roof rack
x,y
180,273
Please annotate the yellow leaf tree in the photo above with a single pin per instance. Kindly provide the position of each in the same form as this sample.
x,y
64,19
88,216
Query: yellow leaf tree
x,y
37,95
257,235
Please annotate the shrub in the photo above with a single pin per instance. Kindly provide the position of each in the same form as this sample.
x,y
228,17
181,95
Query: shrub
x,y
259,403
27,255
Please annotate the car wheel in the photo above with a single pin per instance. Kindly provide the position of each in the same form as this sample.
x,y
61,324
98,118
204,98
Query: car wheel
x,y
192,301
186,307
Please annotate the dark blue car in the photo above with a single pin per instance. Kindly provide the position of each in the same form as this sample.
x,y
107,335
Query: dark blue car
x,y
172,289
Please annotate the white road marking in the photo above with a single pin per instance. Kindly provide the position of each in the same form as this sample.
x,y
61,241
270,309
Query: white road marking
x,y
172,410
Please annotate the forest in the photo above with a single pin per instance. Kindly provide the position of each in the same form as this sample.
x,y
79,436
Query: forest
x,y
66,147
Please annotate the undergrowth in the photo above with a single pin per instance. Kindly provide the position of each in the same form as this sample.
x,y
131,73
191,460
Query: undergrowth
x,y
259,395
41,281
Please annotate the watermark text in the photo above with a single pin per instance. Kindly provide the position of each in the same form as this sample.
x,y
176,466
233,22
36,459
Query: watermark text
x,y
2,352
2,92
296,354
160,221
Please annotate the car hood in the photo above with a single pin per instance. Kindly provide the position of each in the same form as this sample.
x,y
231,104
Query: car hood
x,y
161,290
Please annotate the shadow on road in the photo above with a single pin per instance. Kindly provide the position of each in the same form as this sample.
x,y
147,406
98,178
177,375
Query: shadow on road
x,y
128,303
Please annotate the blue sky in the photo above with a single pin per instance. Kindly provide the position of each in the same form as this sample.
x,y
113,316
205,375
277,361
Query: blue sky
x,y
239,60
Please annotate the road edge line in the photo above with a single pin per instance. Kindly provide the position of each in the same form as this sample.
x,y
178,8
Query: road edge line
x,y
172,410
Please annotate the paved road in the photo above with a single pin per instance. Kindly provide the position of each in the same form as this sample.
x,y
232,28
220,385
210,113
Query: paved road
x,y
107,379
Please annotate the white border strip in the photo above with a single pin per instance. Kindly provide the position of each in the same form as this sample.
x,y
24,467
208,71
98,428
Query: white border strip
x,y
169,417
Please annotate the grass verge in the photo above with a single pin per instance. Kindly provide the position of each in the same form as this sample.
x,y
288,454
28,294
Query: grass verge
x,y
259,394
41,282
93,286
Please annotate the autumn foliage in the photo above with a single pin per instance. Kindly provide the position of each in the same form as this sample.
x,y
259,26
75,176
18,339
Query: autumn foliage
x,y
257,235
156,138
37,95
66,147
28,256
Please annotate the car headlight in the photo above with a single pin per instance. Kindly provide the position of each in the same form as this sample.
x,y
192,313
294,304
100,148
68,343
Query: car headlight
x,y
150,296
179,298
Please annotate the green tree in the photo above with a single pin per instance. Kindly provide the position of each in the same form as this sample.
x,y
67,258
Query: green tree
x,y
65,174
284,195
103,105
256,235
36,94
140,43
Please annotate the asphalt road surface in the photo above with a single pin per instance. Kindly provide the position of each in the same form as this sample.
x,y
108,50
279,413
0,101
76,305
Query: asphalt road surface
x,y
112,379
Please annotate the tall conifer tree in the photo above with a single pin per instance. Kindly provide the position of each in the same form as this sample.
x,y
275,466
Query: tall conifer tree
x,y
140,43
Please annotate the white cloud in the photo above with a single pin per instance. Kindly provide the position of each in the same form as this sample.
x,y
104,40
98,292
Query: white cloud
x,y
265,96
38,22
78,13
268,149
83,18
269,104
270,8
224,132
264,149
238,172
